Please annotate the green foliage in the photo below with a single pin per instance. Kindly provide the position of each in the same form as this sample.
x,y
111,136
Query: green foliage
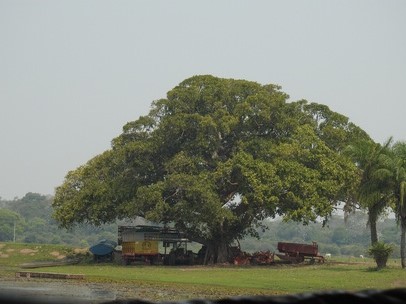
x,y
8,220
380,252
33,222
395,172
392,178
383,183
32,205
373,192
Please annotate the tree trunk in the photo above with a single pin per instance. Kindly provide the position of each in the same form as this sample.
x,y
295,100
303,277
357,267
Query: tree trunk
x,y
217,253
374,232
372,226
222,253
402,241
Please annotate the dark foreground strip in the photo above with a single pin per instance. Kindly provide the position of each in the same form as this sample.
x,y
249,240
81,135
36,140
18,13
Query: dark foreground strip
x,y
392,296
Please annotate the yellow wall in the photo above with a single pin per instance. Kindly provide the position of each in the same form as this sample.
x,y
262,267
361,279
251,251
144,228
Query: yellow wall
x,y
140,247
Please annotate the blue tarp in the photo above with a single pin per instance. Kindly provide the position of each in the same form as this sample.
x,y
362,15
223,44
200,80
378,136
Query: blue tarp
x,y
104,247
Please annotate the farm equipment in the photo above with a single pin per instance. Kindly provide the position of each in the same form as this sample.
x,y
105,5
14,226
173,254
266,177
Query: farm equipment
x,y
256,258
141,243
238,257
262,258
298,253
179,254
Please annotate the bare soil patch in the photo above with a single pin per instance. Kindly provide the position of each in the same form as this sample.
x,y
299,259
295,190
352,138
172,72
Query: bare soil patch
x,y
57,255
28,251
399,284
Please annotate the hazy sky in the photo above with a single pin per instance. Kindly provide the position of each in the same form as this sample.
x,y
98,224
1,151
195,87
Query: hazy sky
x,y
72,73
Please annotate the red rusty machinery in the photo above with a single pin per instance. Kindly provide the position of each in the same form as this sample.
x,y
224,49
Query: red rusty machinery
x,y
256,258
297,252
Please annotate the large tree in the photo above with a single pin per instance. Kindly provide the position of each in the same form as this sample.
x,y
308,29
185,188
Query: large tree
x,y
215,158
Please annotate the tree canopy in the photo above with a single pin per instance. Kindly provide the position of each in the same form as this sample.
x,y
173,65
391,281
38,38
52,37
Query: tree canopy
x,y
215,158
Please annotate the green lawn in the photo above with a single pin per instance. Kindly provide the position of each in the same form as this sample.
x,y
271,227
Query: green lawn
x,y
340,274
275,279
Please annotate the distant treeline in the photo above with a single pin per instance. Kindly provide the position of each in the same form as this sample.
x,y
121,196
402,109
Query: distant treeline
x,y
29,220
32,218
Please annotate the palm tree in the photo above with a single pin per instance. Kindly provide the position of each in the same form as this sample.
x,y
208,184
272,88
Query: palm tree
x,y
395,169
372,194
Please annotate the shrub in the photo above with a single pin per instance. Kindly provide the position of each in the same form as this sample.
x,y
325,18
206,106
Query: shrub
x,y
380,252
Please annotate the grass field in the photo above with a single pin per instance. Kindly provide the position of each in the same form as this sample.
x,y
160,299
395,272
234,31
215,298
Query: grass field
x,y
201,281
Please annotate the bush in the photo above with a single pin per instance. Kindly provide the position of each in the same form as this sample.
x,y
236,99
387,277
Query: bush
x,y
380,252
